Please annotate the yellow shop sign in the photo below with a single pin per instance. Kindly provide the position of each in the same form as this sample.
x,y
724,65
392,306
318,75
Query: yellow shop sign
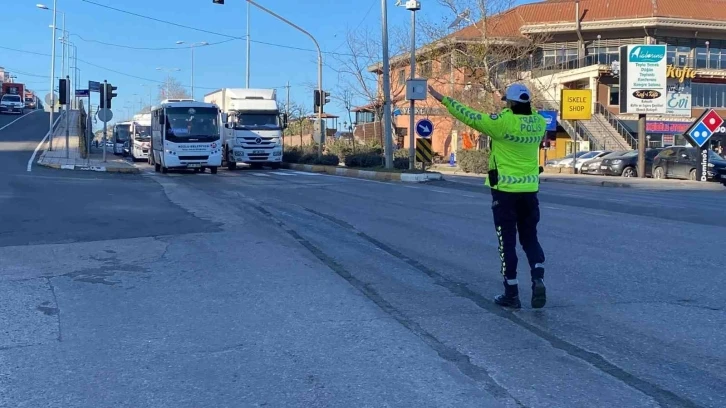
x,y
680,73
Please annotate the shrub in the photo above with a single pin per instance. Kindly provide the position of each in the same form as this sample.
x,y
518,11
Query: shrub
x,y
364,160
292,155
308,158
327,160
401,163
473,161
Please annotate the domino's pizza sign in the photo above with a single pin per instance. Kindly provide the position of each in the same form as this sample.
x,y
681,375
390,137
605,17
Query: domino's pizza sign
x,y
701,130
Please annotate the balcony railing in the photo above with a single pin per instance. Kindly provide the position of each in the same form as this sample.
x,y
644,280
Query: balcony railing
x,y
618,125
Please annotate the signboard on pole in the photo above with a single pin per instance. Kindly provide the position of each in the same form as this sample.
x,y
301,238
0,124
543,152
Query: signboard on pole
x,y
576,104
94,86
643,86
84,93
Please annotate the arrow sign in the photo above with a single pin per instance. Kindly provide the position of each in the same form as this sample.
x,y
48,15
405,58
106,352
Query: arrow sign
x,y
424,128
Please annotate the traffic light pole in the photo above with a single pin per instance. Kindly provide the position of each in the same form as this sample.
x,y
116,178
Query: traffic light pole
x,y
320,70
68,112
103,106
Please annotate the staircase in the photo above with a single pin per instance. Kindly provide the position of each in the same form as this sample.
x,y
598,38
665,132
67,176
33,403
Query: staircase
x,y
607,136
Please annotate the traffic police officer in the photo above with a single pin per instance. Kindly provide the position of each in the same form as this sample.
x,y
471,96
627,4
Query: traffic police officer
x,y
516,133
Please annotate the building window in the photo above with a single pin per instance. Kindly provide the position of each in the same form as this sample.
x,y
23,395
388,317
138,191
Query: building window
x,y
614,95
401,76
445,64
425,70
708,95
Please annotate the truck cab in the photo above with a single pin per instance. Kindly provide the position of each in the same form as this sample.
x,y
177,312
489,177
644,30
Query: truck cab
x,y
252,127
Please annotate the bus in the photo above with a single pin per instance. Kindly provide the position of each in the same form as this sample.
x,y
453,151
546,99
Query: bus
x,y
121,133
140,141
185,135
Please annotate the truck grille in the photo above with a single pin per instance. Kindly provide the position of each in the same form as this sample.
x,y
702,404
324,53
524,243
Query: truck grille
x,y
193,157
251,142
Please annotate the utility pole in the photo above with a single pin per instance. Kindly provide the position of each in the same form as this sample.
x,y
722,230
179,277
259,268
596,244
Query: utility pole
x,y
287,105
388,143
247,62
413,6
68,114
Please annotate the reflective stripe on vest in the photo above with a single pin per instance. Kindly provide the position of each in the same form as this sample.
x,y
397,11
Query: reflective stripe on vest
x,y
517,180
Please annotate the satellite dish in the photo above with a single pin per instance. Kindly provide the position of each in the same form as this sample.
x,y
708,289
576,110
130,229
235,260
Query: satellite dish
x,y
464,15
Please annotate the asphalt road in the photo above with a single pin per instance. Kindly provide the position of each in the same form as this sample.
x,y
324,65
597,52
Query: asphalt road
x,y
281,288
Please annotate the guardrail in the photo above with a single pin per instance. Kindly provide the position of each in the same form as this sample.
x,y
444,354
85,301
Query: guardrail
x,y
618,125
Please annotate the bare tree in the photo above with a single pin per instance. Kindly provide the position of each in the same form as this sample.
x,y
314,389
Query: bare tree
x,y
298,123
173,89
358,68
484,56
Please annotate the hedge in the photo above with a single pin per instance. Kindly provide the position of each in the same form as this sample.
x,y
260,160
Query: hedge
x,y
364,160
473,161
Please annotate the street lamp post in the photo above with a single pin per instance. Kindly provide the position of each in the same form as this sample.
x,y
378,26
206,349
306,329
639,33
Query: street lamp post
x,y
52,70
387,134
192,45
168,77
320,68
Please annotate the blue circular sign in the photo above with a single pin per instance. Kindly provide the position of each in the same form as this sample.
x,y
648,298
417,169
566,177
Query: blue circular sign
x,y
424,128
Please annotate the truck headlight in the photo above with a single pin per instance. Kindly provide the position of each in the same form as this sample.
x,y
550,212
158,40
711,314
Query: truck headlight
x,y
710,165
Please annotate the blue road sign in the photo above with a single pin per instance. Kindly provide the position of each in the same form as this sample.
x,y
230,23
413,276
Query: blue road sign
x,y
551,118
82,92
424,128
94,86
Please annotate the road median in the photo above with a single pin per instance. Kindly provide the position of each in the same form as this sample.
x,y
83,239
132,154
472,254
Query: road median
x,y
57,158
365,174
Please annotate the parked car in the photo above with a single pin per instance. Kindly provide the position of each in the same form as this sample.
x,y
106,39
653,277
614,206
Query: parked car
x,y
564,161
722,176
592,166
626,165
680,162
11,103
593,154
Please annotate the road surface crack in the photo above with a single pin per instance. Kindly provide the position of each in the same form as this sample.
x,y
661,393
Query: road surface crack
x,y
663,396
451,354
57,308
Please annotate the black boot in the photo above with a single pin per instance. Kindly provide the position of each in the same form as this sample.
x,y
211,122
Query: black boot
x,y
539,293
510,298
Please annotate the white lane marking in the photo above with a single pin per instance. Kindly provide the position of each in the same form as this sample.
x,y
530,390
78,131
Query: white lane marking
x,y
302,173
35,152
260,175
22,116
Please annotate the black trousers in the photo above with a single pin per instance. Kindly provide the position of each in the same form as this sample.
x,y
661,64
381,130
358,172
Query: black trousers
x,y
517,212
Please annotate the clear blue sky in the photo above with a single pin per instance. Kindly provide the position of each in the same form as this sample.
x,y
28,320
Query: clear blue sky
x,y
216,66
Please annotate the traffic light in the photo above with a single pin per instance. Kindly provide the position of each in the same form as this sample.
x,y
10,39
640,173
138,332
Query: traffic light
x,y
63,91
102,97
320,101
110,94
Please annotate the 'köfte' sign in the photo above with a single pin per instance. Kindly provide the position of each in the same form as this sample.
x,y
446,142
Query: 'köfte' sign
x,y
681,74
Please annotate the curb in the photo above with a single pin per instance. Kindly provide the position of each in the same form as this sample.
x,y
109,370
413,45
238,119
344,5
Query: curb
x,y
588,183
364,174
129,170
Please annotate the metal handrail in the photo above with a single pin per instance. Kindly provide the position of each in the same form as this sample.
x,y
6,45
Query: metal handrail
x,y
618,125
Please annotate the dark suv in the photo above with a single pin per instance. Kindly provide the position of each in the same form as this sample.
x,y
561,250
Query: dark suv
x,y
680,162
627,164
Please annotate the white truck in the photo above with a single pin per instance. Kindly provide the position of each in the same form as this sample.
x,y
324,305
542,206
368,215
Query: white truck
x,y
252,126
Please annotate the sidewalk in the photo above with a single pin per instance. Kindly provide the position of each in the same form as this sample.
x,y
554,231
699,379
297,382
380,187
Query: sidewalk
x,y
57,159
605,181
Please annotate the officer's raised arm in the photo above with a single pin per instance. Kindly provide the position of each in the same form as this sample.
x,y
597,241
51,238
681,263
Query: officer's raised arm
x,y
490,125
